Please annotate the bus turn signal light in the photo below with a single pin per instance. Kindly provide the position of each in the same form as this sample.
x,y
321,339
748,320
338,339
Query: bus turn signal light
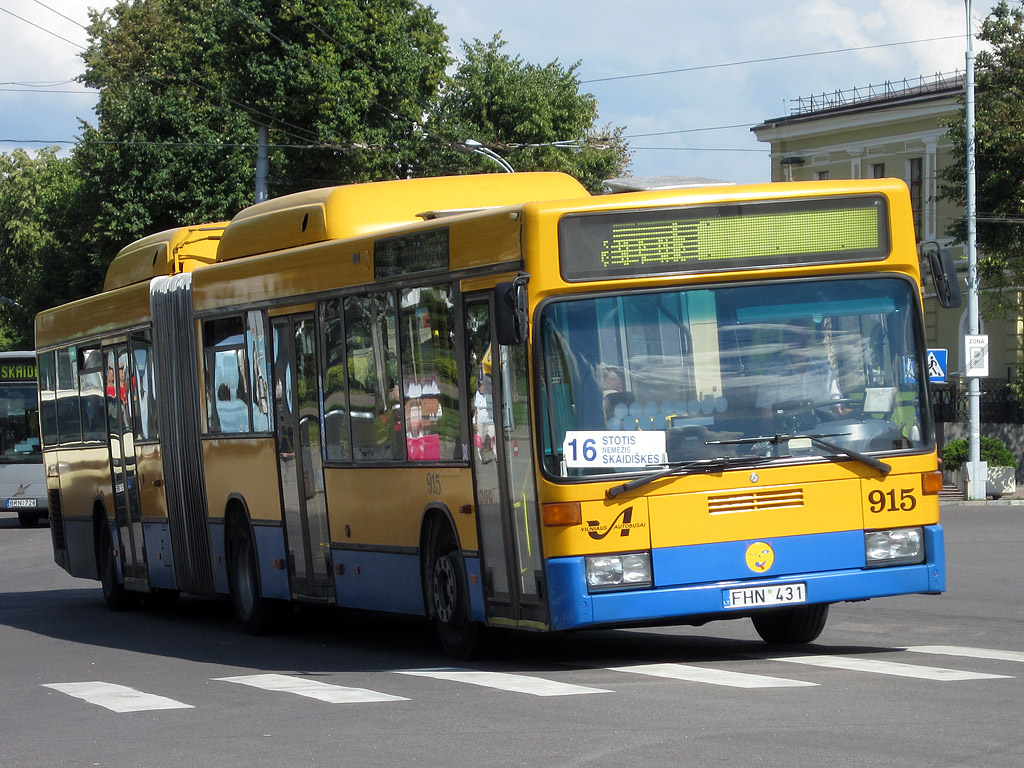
x,y
931,482
563,513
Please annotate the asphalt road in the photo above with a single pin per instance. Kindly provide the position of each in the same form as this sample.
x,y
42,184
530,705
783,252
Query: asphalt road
x,y
909,681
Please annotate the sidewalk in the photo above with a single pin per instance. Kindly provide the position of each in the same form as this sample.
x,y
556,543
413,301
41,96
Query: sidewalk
x,y
951,495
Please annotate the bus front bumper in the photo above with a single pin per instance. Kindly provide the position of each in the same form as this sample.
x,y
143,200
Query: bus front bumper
x,y
573,606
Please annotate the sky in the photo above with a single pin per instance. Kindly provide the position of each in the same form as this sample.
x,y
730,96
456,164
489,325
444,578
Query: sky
x,y
686,80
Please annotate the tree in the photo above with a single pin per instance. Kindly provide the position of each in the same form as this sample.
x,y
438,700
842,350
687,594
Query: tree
x,y
184,84
349,90
533,116
999,149
39,208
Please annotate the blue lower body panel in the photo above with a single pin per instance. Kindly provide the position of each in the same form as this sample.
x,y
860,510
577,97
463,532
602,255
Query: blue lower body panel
x,y
830,565
159,558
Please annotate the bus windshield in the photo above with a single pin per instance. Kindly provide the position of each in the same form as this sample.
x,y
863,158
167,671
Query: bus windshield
x,y
798,369
19,424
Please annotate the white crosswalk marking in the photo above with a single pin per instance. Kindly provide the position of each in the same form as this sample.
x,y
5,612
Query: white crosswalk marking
x,y
971,653
312,689
886,668
117,698
712,676
535,686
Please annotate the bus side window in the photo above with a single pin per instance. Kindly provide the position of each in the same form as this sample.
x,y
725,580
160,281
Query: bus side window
x,y
375,409
94,426
430,373
48,399
69,418
228,396
336,434
143,380
256,345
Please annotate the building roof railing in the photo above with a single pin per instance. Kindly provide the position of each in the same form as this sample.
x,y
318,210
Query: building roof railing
x,y
887,91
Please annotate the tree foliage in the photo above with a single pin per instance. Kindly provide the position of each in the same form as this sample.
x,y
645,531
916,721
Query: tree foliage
x,y
534,116
183,84
999,153
39,215
349,90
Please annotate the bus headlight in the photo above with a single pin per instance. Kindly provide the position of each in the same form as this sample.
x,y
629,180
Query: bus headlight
x,y
901,546
628,571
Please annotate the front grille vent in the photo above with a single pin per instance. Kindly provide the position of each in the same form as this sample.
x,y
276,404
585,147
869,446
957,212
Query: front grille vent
x,y
756,501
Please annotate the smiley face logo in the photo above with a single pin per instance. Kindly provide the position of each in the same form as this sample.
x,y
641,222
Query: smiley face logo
x,y
760,557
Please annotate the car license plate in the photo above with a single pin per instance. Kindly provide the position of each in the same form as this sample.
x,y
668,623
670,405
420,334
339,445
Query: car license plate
x,y
760,597
17,503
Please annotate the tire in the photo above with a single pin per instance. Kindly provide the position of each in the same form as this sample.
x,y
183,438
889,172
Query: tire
x,y
448,597
28,519
791,626
257,615
115,595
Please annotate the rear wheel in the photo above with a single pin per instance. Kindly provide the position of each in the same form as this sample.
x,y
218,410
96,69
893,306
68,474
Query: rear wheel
x,y
448,597
784,626
115,595
257,615
28,519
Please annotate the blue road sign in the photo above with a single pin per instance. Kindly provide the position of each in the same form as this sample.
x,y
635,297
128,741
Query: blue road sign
x,y
937,364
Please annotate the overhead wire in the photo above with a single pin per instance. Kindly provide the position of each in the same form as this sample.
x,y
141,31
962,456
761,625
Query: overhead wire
x,y
311,137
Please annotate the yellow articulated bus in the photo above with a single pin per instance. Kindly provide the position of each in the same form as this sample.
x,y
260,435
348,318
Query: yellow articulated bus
x,y
496,400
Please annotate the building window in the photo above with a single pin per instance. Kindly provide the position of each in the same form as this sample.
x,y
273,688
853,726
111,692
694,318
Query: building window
x,y
878,170
821,175
916,184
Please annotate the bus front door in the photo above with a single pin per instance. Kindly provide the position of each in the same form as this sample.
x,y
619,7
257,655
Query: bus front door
x,y
506,501
123,474
299,458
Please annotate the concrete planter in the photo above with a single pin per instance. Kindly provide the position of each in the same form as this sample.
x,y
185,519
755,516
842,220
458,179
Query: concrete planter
x,y
1001,481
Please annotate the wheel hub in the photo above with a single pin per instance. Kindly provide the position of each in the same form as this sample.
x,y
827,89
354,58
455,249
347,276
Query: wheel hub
x,y
444,589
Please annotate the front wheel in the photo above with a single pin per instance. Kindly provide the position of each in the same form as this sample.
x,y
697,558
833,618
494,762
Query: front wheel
x,y
448,597
785,626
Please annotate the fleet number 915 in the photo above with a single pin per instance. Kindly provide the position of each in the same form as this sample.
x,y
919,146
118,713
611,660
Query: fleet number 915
x,y
902,500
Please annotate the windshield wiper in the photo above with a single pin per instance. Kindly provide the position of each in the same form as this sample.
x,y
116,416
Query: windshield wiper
x,y
682,468
879,466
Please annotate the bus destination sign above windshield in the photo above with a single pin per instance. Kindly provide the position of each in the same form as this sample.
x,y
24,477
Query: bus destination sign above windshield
x,y
596,246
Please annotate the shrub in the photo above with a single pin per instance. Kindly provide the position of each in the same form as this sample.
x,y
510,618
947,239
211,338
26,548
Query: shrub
x,y
954,454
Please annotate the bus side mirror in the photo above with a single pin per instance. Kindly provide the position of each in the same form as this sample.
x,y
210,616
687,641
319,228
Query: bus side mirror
x,y
511,319
943,271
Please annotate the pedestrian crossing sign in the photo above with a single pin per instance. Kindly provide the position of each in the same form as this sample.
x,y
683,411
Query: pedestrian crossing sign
x,y
937,365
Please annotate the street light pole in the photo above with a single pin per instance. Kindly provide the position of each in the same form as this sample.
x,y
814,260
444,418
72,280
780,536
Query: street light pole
x,y
976,469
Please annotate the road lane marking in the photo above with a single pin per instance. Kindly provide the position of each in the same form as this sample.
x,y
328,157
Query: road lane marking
x,y
711,676
886,668
311,689
535,686
972,653
117,698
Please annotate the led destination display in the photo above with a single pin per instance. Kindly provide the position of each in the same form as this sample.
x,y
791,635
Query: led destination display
x,y
597,246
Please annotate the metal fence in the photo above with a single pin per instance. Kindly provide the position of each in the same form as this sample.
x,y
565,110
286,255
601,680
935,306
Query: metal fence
x,y
887,91
999,402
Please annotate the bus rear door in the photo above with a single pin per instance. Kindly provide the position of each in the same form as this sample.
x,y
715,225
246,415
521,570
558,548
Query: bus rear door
x,y
300,462
123,474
